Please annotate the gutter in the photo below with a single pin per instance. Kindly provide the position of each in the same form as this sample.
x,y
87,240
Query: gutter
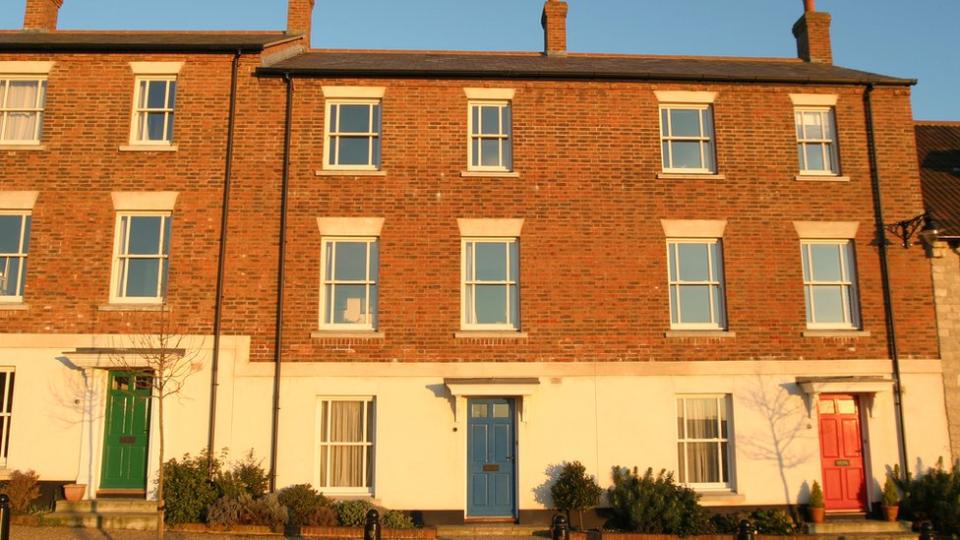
x,y
221,262
277,351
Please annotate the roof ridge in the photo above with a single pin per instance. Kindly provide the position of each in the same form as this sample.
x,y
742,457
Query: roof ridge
x,y
937,123
719,58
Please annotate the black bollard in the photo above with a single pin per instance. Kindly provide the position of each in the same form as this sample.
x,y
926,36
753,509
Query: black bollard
x,y
745,531
926,531
4,517
560,530
371,531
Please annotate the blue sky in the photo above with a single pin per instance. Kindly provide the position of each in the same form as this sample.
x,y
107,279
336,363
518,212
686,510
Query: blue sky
x,y
911,38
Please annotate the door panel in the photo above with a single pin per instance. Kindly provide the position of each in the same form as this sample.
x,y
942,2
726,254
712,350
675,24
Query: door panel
x,y
841,454
491,458
126,433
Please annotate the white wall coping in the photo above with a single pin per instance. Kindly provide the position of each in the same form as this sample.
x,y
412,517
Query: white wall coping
x,y
144,200
156,68
683,96
826,230
18,200
26,68
350,226
506,228
490,93
814,100
357,92
693,228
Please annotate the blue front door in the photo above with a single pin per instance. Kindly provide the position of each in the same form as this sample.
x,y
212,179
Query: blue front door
x,y
491,457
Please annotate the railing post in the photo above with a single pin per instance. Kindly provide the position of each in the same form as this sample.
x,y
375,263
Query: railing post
x,y
559,530
746,531
4,517
926,531
371,531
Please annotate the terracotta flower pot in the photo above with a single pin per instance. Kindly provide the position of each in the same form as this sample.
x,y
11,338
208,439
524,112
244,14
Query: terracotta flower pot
x,y
891,512
817,514
74,492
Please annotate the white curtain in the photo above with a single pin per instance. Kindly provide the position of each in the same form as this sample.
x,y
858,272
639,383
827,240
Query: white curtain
x,y
346,426
21,125
703,463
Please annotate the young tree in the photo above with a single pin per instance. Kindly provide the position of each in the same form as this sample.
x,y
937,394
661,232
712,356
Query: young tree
x,y
575,490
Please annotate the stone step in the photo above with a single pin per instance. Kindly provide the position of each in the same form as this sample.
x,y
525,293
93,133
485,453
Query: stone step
x,y
100,506
856,526
126,521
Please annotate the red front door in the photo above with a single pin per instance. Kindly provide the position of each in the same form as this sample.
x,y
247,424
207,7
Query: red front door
x,y
841,454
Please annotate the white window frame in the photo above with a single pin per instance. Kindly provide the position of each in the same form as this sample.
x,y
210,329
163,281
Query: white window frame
x,y
139,139
505,139
329,280
6,412
369,407
726,461
705,139
374,132
465,283
716,312
116,275
851,299
828,114
21,254
39,108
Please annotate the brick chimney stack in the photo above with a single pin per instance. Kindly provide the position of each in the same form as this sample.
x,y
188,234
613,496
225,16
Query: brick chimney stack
x,y
300,18
554,23
41,15
813,35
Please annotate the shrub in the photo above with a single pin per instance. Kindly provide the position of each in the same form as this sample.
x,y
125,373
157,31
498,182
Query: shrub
x,y
352,513
323,516
395,519
767,522
891,497
246,476
303,506
225,512
933,497
816,496
655,504
266,510
188,488
575,490
23,488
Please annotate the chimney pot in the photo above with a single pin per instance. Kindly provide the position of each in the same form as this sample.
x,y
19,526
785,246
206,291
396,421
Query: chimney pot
x,y
554,23
809,5
300,18
41,15
813,35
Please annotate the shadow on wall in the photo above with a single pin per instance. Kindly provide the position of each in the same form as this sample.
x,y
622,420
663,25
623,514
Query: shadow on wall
x,y
541,493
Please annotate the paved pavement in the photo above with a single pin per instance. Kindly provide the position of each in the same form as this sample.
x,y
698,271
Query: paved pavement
x,y
66,533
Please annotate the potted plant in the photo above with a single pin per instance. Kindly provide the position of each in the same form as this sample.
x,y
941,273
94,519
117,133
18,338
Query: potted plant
x,y
891,500
74,492
815,503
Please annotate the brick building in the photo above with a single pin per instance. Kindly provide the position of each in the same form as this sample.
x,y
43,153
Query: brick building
x,y
477,266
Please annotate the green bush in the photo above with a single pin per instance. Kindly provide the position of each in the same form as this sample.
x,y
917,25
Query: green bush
x,y
304,506
891,497
816,496
395,519
655,504
188,488
352,513
245,476
575,490
768,522
23,488
323,516
225,512
933,497
266,510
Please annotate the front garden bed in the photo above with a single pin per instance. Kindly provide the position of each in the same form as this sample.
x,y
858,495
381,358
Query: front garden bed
x,y
352,533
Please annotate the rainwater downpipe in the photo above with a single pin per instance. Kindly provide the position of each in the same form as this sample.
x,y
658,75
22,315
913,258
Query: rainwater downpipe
x,y
881,237
221,263
274,435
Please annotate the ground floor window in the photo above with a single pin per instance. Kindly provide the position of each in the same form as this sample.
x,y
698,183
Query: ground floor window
x,y
346,444
6,411
703,441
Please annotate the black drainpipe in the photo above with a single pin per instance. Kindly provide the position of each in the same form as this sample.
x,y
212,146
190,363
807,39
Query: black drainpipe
x,y
221,263
885,279
274,435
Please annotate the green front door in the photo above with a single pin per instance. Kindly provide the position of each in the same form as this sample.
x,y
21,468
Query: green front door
x,y
127,432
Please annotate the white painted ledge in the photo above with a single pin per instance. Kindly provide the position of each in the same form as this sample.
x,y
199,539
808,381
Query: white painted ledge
x,y
480,334
343,172
22,147
700,334
836,333
133,307
334,334
690,176
14,306
489,174
820,178
149,148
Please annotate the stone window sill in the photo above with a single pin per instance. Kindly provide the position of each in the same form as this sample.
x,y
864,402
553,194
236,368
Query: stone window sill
x,y
481,334
149,148
22,147
821,178
346,172
836,333
700,334
14,306
337,334
690,176
489,174
721,498
134,307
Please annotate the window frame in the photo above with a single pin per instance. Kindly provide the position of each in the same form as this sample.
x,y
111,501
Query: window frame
x,y
727,462
328,280
25,215
513,326
704,139
720,313
370,441
374,133
135,138
850,290
163,282
830,114
6,411
503,138
40,106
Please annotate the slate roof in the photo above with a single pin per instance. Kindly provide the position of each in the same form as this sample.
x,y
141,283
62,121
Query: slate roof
x,y
938,147
153,41
574,66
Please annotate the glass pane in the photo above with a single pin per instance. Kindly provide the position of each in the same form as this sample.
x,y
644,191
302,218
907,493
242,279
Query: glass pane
x,y
514,305
806,301
23,95
144,235
703,463
491,261
351,261
121,382
346,421
167,230
813,129
333,143
681,462
374,305
156,94
707,122
663,123
805,255
722,406
475,153
142,102
23,276
349,304
828,164
9,275
695,304
674,302
374,261
10,228
672,260
685,122
354,118
475,119
501,410
724,452
354,151
828,303
798,121
827,406
702,414
142,277
507,120
155,126
846,406
708,156
826,262
814,155
169,136
327,300
324,461
693,262
666,155
507,154
490,153
20,126
346,466
478,410
686,155
490,120
716,257
333,118
491,304
376,152
717,293
172,98
376,118
514,248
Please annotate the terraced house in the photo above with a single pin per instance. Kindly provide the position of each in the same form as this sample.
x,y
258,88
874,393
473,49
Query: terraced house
x,y
427,278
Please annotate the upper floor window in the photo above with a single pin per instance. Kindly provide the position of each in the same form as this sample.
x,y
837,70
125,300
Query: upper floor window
x,y
141,257
490,145
829,284
686,135
491,269
352,134
14,245
696,284
350,283
22,101
817,141
154,103
703,452
346,445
